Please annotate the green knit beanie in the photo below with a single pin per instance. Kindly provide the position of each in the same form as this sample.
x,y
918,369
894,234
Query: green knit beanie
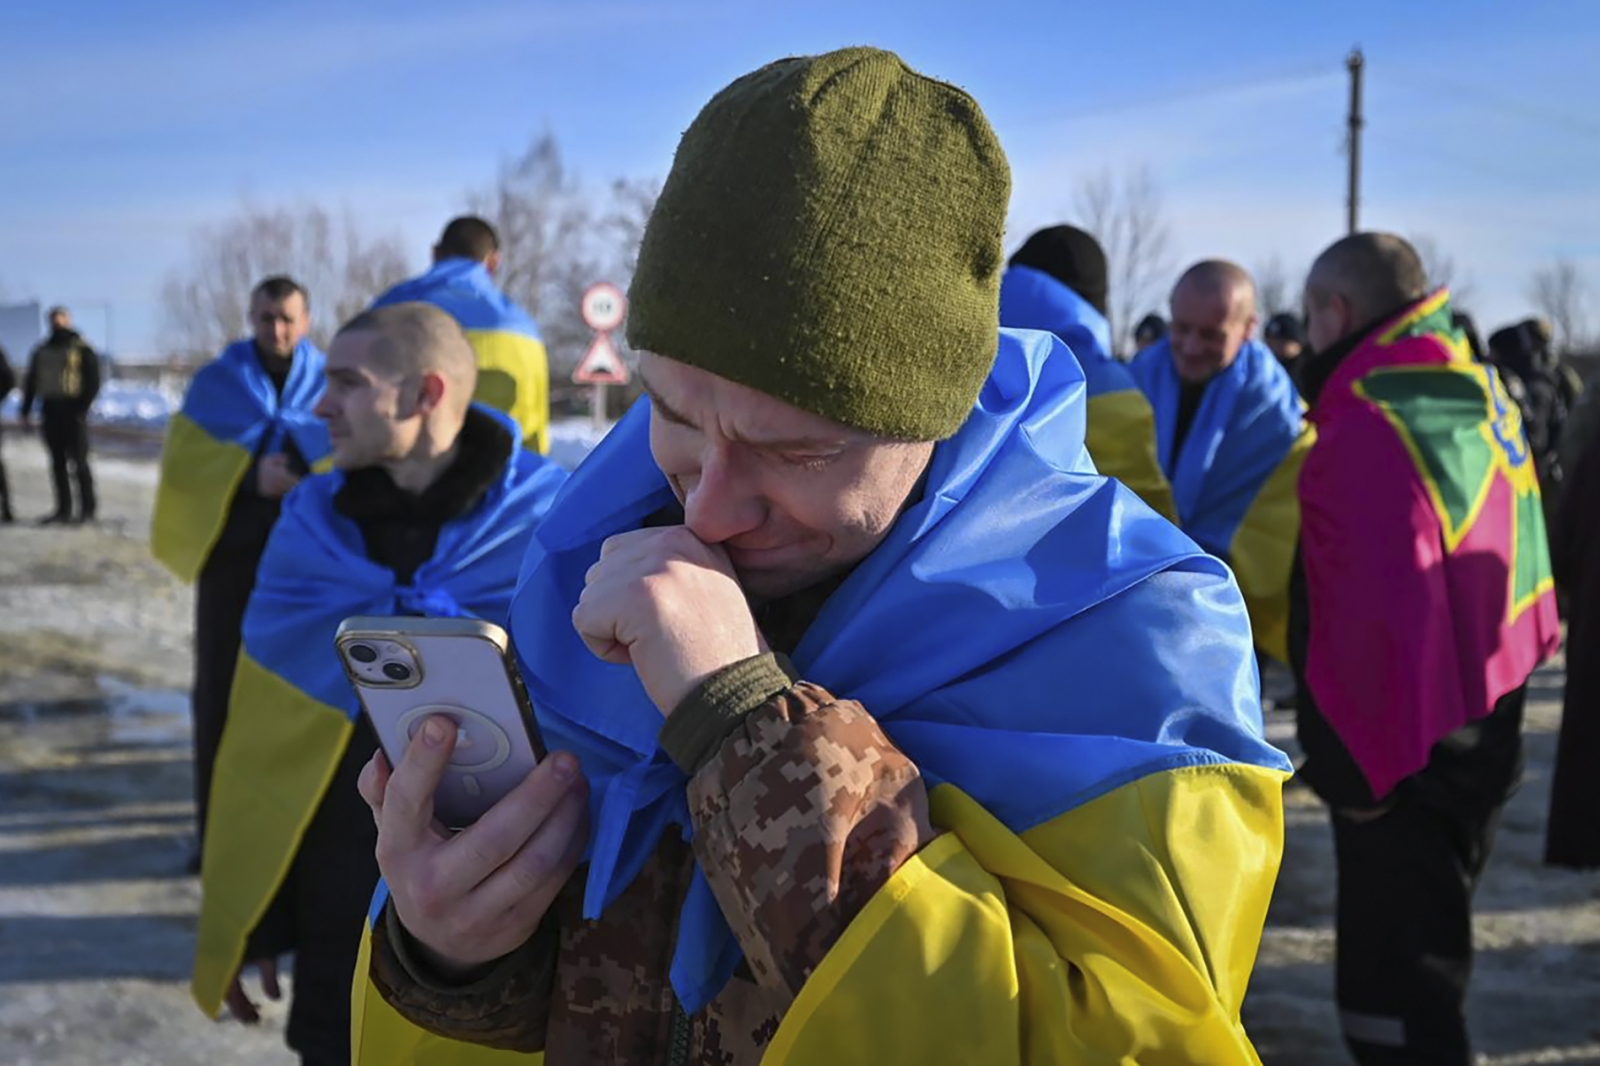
x,y
831,235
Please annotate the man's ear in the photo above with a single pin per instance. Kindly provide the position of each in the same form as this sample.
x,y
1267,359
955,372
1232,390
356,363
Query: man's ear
x,y
492,264
430,393
1346,313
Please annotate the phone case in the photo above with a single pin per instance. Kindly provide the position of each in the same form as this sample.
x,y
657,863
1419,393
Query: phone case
x,y
405,669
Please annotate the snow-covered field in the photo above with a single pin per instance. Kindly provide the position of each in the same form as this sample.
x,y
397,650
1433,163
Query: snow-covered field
x,y
120,403
138,406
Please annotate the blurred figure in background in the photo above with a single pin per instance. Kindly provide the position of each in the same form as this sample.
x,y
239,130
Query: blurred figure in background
x,y
1151,328
1422,601
1057,283
1286,337
513,368
1573,837
8,381
1582,420
64,376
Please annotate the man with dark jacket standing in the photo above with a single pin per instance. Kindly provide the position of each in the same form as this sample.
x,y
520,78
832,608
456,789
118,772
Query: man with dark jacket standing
x,y
1421,600
64,375
8,381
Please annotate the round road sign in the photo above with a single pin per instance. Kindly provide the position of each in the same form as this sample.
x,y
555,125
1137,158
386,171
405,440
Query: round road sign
x,y
604,307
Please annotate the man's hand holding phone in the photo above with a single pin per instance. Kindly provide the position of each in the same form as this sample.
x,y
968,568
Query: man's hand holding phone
x,y
469,898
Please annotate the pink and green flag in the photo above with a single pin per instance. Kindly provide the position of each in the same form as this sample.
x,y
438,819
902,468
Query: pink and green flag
x,y
1424,544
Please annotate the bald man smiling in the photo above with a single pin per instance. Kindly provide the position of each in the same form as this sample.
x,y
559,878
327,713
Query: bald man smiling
x,y
1231,438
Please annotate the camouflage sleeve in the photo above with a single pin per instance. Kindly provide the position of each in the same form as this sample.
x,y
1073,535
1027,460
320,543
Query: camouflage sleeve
x,y
802,812
506,1005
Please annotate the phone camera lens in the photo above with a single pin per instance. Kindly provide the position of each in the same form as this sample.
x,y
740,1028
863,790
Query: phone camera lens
x,y
363,653
397,671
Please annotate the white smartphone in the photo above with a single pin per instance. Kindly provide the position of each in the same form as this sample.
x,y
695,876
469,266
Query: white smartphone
x,y
405,669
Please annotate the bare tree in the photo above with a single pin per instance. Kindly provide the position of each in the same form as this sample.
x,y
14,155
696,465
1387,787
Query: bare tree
x,y
1128,219
1276,292
206,302
548,250
1561,294
632,200
556,240
1440,266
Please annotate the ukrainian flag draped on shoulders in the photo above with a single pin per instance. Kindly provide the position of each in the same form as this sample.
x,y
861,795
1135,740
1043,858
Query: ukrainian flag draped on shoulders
x,y
1121,434
1074,679
292,707
231,413
1234,477
513,368
1420,501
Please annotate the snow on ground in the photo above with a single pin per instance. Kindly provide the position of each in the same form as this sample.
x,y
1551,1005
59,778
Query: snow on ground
x,y
120,403
130,405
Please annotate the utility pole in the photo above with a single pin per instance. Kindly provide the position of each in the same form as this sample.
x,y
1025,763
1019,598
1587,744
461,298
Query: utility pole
x,y
1356,63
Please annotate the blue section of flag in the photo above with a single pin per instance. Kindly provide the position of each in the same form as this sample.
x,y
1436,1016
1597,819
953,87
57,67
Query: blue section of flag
x,y
1249,419
464,290
315,572
234,401
1032,299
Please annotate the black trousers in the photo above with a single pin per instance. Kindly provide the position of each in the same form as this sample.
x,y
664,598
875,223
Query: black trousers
x,y
66,435
5,488
1404,921
321,909
221,595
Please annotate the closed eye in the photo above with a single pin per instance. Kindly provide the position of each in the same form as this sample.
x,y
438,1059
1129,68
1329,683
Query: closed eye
x,y
805,461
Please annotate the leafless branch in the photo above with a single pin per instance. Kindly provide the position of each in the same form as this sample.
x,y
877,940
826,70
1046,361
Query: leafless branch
x,y
1129,220
1276,291
1442,271
1561,293
555,241
206,302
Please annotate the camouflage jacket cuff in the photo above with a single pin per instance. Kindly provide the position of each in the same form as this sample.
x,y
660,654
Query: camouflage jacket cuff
x,y
803,813
505,1006
697,727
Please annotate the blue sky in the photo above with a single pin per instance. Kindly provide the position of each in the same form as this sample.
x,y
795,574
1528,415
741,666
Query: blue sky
x,y
124,124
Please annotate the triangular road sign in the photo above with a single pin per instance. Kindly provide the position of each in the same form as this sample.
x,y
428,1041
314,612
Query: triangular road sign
x,y
602,365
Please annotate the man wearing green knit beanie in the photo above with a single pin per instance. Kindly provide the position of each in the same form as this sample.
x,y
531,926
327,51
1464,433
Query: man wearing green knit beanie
x,y
882,728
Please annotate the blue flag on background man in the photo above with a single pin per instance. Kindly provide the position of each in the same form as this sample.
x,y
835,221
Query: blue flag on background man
x,y
1121,432
513,367
231,413
1233,480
